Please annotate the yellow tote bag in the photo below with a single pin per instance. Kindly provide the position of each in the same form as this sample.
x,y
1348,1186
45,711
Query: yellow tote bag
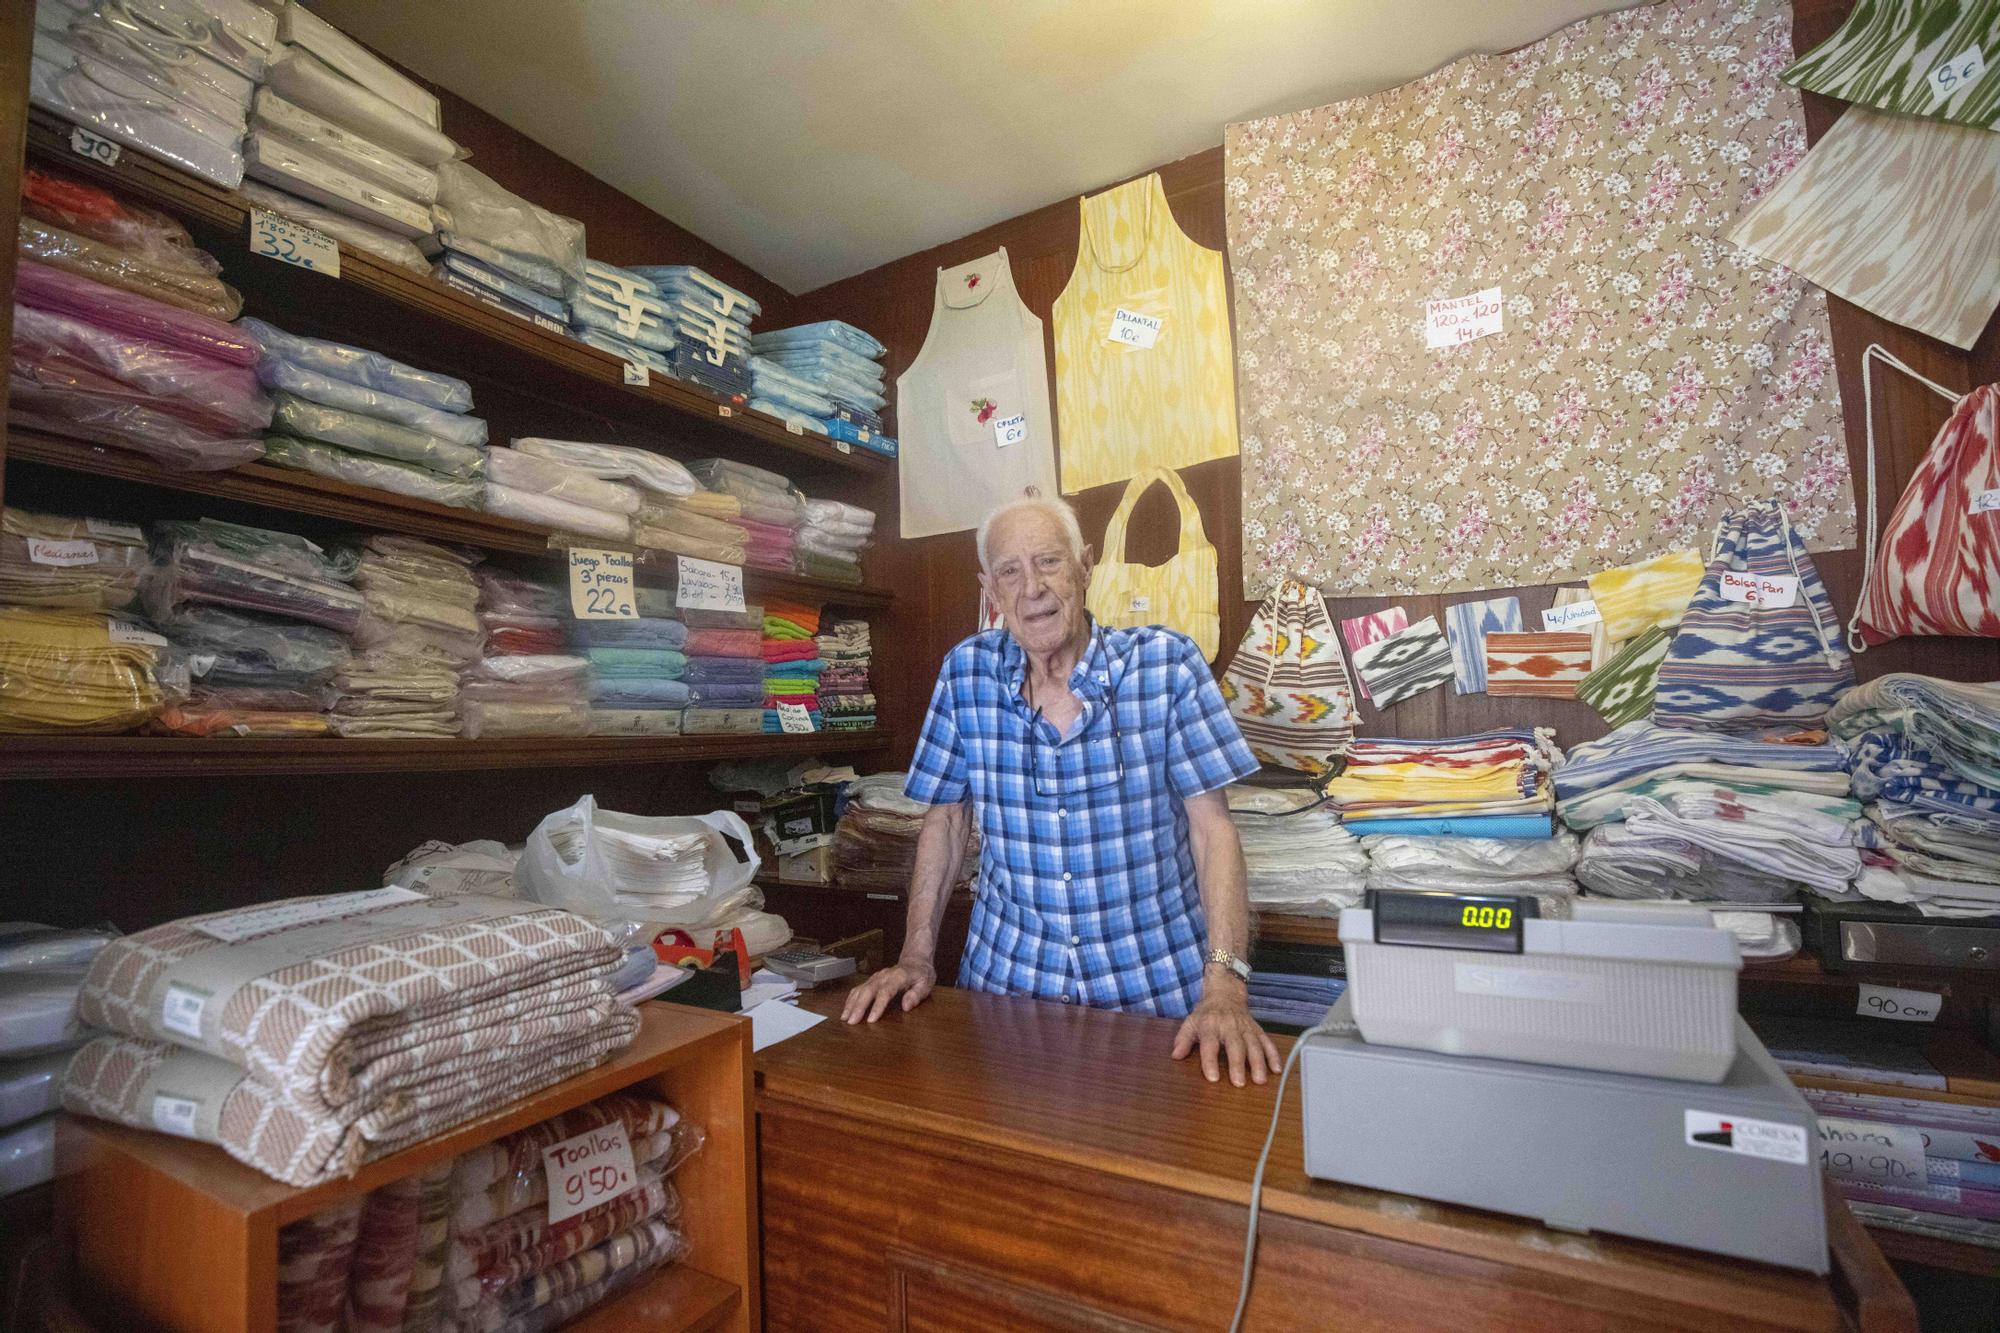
x,y
1180,594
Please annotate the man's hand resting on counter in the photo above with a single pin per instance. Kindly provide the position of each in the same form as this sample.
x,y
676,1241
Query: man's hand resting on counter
x,y
1221,1021
870,1000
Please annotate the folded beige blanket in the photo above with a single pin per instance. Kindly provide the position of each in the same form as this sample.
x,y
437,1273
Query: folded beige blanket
x,y
337,1000
153,1085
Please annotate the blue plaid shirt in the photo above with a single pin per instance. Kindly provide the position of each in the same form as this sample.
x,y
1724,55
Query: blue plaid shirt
x,y
1087,890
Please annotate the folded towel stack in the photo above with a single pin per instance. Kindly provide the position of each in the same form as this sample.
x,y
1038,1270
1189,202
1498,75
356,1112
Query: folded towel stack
x,y
310,1036
771,510
103,68
1492,785
540,485
829,546
525,682
1298,857
792,664
845,699
635,664
419,628
830,362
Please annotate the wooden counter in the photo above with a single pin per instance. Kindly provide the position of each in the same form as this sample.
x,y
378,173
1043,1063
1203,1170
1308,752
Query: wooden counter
x,y
987,1162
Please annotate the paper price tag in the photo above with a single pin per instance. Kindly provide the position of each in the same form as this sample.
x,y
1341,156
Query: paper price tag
x,y
843,446
1986,502
725,410
114,532
637,374
1574,616
705,585
794,428
1133,329
93,146
601,585
174,1115
124,631
1956,74
1460,319
291,242
1773,592
1140,602
592,1168
794,719
1861,1150
62,555
1010,430
1905,1006
181,1009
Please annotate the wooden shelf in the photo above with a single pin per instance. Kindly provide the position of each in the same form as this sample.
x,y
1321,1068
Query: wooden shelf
x,y
46,758
219,1270
302,493
678,1299
1910,1247
371,290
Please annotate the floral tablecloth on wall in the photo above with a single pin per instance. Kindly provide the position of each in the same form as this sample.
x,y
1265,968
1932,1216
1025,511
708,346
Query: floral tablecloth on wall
x,y
1647,374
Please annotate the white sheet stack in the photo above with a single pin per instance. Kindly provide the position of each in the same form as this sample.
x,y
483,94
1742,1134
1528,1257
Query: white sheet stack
x,y
1301,861
339,128
172,78
552,491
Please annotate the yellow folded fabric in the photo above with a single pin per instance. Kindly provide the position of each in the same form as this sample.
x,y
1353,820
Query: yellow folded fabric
x,y
1633,598
666,539
712,504
690,523
1426,782
60,671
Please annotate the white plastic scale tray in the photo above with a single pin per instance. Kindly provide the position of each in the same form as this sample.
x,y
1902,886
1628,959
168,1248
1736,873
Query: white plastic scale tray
x,y
1626,988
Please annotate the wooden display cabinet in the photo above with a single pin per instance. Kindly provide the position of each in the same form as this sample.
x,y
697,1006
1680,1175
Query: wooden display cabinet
x,y
167,1233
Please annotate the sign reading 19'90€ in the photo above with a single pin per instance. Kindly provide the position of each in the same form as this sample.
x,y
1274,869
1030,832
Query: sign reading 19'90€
x,y
291,242
601,585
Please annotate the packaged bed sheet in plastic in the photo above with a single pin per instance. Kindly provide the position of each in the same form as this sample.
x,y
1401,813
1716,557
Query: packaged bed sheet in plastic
x,y
73,564
236,33
299,26
44,288
360,366
471,204
105,99
302,171
250,569
364,158
41,970
592,311
294,415
559,480
304,80
469,270
617,462
27,1155
29,1086
226,395
347,396
371,470
351,232
544,277
858,341
562,516
708,292
242,650
53,392
138,232
174,71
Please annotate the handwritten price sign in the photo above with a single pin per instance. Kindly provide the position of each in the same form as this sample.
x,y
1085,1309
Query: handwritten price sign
x,y
1957,74
600,585
1460,319
93,146
291,242
1772,590
592,1168
1133,329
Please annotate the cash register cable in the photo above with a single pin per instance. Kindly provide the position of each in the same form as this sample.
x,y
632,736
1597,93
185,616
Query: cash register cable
x,y
1325,1025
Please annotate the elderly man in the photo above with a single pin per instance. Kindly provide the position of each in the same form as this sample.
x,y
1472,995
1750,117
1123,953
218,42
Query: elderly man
x,y
1094,760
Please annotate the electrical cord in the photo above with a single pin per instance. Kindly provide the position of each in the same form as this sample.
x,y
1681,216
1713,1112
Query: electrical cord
x,y
1325,1025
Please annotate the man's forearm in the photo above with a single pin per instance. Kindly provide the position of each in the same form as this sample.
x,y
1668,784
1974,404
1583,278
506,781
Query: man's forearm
x,y
1218,863
940,849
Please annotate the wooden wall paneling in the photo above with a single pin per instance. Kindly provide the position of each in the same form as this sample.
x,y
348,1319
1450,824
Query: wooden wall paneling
x,y
894,302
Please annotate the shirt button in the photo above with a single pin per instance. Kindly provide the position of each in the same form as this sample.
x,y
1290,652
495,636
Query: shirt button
x,y
1076,939
1066,876
1062,813
1066,999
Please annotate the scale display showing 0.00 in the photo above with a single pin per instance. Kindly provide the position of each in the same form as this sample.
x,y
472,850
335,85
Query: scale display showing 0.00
x,y
1487,918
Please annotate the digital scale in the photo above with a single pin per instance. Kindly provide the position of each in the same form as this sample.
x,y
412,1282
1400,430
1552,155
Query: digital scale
x,y
1485,1057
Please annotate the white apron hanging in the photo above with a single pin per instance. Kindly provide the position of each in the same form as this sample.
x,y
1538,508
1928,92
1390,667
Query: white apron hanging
x,y
973,407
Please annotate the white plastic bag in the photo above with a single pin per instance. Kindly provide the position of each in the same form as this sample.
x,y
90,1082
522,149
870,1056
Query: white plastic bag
x,y
601,864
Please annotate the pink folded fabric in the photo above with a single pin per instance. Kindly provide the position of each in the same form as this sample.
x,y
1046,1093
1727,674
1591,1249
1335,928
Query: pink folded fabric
x,y
43,288
790,650
725,643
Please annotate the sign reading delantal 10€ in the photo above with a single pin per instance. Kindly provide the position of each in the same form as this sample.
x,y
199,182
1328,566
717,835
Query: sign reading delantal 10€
x,y
601,585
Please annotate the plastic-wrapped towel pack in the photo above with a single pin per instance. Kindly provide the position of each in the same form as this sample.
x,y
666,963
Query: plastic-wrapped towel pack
x,y
128,36
701,290
46,288
294,415
215,393
1299,858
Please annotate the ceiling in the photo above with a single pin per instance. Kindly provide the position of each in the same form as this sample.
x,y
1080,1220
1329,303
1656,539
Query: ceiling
x,y
814,139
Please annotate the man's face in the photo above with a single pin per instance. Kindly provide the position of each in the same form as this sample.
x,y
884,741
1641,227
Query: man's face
x,y
1035,581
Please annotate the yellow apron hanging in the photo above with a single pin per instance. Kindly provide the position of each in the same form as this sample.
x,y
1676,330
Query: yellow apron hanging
x,y
1180,594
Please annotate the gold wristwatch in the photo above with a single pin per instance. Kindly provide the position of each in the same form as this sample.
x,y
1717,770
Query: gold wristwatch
x,y
1224,958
